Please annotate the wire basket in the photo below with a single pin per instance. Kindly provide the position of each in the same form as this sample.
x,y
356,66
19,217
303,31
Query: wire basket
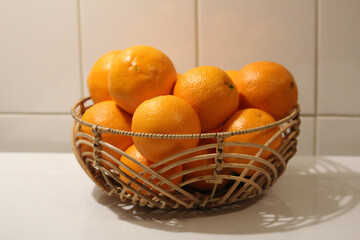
x,y
99,165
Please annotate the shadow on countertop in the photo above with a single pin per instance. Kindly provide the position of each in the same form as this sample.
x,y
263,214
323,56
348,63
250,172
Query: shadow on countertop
x,y
311,193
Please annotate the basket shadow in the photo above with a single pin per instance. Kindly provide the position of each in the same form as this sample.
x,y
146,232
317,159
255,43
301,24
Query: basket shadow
x,y
311,193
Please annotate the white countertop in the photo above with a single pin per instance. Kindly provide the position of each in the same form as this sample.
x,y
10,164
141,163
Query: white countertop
x,y
48,196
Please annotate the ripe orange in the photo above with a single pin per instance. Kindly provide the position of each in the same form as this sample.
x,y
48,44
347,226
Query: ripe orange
x,y
267,86
108,114
203,185
165,115
133,152
211,92
232,73
245,119
139,73
97,80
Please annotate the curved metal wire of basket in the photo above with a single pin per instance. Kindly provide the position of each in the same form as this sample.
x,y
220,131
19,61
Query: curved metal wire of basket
x,y
140,189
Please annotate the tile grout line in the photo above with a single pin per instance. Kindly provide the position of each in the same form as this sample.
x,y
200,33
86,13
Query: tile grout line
x,y
80,51
339,115
66,113
330,115
196,6
315,151
34,113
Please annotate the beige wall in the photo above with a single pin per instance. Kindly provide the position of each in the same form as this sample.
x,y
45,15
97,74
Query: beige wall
x,y
48,47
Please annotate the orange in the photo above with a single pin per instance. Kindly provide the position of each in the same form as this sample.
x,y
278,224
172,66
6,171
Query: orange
x,y
165,115
232,73
139,73
267,86
245,119
203,185
211,92
134,153
108,114
97,80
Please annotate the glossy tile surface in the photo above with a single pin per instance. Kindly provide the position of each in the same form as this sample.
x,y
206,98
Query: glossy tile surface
x,y
306,137
235,33
338,136
39,60
36,133
166,25
339,57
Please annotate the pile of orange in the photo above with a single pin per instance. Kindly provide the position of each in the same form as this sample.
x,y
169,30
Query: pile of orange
x,y
138,89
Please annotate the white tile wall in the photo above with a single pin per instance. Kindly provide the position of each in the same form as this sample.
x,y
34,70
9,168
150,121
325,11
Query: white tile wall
x,y
338,136
35,133
339,57
39,56
235,33
306,141
166,25
48,47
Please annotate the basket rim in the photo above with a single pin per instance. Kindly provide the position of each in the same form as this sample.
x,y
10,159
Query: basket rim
x,y
219,135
